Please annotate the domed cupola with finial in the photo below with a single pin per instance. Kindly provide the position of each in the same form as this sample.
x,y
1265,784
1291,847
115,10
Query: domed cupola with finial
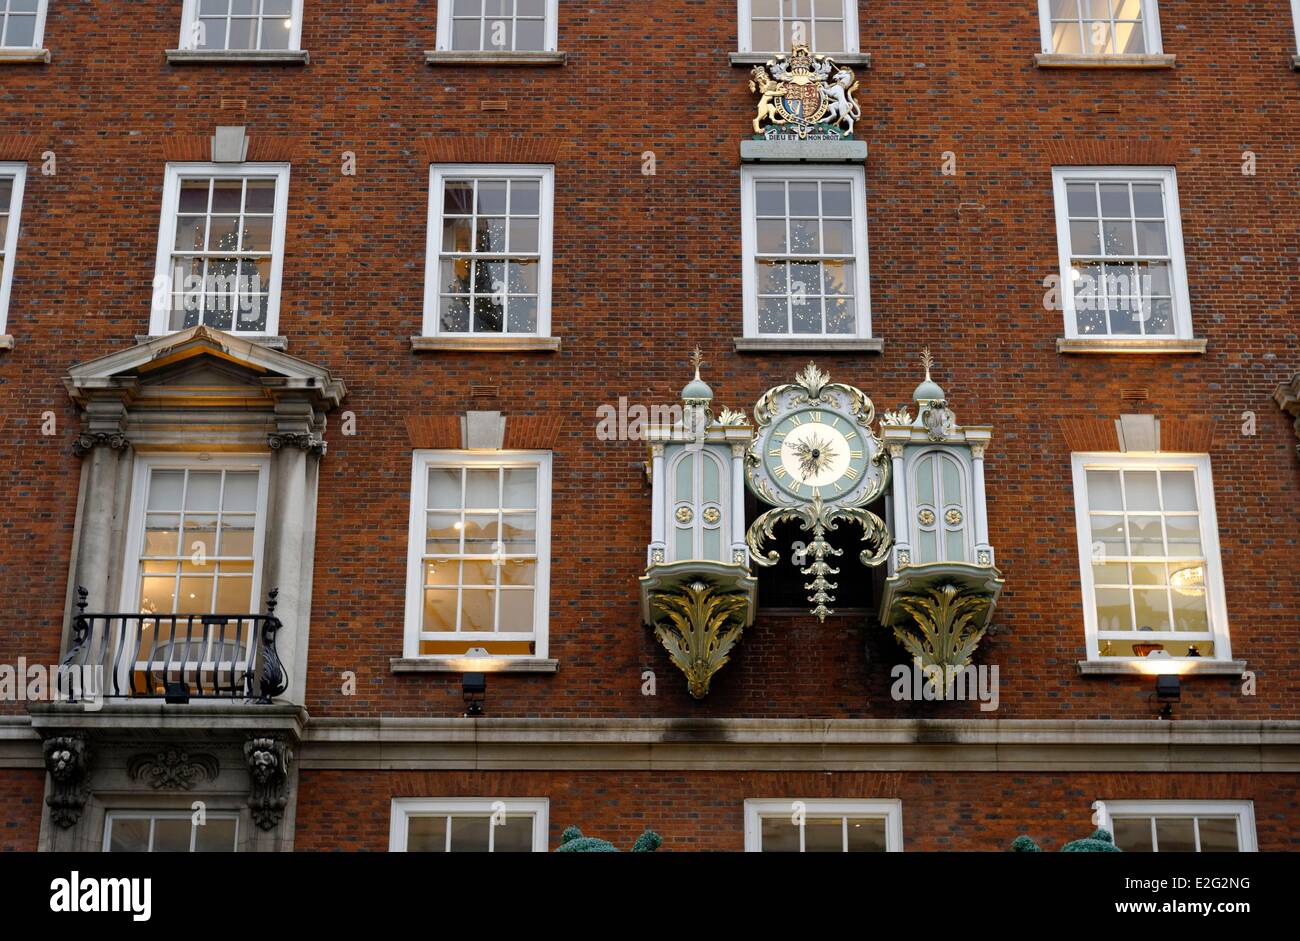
x,y
942,564
697,591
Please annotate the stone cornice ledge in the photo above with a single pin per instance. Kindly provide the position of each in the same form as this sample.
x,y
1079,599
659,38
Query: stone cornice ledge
x,y
861,60
477,344
506,58
6,341
808,345
1125,61
795,744
1137,345
209,719
24,56
238,57
1295,63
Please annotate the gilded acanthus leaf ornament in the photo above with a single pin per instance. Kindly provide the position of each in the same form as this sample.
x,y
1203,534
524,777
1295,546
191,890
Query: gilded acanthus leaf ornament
x,y
803,96
701,626
946,627
820,519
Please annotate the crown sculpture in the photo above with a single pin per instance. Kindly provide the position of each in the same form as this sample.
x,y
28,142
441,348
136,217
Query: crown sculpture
x,y
804,96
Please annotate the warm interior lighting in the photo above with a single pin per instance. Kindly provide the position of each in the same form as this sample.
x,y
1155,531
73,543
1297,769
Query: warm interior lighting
x,y
1189,581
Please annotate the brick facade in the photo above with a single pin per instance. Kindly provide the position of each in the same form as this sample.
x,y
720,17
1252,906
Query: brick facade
x,y
646,267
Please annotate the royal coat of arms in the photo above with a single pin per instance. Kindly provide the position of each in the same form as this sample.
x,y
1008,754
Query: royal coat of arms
x,y
804,96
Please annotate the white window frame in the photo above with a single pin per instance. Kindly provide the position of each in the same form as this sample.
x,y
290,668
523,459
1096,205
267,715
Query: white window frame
x,y
17,172
750,176
404,808
438,175
443,41
1295,18
153,815
422,461
145,464
1243,811
38,34
1216,604
745,29
757,809
190,14
1150,30
1167,177
160,313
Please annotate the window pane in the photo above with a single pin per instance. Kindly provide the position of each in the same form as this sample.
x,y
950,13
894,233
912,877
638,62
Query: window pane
x,y
1140,490
171,835
780,835
128,835
520,488
1133,834
1218,834
866,835
1175,835
514,835
426,834
1104,491
469,834
516,611
823,835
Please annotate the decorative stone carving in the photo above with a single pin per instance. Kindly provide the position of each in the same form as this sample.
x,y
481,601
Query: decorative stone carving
x,y
67,759
173,768
88,441
946,628
268,767
297,439
701,627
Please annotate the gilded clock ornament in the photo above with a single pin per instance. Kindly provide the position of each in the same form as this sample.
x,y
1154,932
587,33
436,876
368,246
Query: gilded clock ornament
x,y
925,517
817,462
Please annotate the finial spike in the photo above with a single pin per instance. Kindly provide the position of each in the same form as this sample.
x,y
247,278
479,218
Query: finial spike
x,y
697,360
927,361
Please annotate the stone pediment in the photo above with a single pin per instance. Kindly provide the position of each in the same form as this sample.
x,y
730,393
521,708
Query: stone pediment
x,y
200,358
147,394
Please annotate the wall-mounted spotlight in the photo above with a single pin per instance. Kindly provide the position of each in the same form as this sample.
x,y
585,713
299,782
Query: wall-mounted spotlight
x,y
474,689
1169,690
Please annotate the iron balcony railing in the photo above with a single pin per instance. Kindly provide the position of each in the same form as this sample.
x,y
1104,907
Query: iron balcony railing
x,y
176,657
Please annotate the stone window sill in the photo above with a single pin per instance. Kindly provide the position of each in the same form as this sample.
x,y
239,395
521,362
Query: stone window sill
x,y
860,59
486,344
238,56
6,341
468,57
808,345
274,343
24,56
1126,61
468,665
1295,62
1137,346
1143,666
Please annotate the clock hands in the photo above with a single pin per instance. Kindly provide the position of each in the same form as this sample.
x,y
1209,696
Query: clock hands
x,y
814,454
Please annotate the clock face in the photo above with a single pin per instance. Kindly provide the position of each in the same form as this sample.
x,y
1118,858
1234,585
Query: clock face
x,y
816,453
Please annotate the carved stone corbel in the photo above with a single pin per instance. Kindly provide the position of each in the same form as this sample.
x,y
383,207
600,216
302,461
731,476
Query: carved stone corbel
x,y
67,759
173,768
702,626
268,767
946,625
1287,397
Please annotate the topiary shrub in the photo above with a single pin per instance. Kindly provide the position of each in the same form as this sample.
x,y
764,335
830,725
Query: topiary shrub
x,y
572,841
1100,842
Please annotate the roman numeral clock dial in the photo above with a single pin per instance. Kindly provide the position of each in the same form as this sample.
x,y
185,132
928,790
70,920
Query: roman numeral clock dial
x,y
816,461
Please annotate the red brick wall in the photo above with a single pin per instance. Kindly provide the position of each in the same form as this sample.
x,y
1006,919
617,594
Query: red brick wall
x,y
21,793
646,267
705,811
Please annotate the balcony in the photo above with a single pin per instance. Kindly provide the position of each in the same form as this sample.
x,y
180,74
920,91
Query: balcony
x,y
173,657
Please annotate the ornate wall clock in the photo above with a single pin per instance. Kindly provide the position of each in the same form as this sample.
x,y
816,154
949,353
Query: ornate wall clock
x,y
816,461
